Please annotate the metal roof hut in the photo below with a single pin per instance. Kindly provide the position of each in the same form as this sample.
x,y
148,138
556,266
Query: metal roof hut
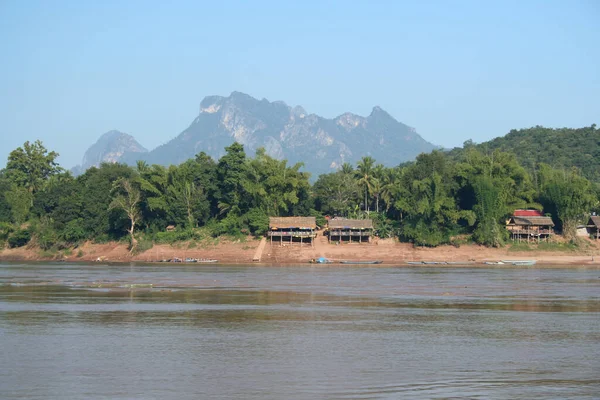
x,y
528,227
299,229
593,226
341,229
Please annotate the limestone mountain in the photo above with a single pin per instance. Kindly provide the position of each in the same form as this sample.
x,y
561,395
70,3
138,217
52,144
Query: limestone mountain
x,y
113,146
288,133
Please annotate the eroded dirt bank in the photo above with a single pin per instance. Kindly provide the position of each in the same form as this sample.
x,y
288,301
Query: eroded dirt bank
x,y
388,251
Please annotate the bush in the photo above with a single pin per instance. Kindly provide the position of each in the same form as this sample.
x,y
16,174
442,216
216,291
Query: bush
x,y
230,225
320,219
73,231
5,230
258,221
142,246
46,237
178,236
19,238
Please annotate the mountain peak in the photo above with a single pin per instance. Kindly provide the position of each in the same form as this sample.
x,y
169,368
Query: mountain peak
x,y
110,147
380,112
285,132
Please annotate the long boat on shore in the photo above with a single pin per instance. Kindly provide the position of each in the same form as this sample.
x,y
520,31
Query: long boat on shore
x,y
520,262
362,262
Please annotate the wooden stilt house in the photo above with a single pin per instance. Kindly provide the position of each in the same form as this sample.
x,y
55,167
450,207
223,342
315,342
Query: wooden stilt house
x,y
530,225
593,227
292,230
350,230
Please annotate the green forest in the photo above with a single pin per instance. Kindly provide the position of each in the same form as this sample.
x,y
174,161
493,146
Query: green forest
x,y
451,197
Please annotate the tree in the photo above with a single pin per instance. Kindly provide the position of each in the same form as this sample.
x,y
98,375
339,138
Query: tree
x,y
97,185
5,211
272,185
429,202
489,210
186,201
230,171
19,199
364,173
127,199
336,193
568,195
31,165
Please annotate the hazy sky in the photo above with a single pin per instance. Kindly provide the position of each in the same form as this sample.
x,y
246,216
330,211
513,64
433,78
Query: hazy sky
x,y
454,70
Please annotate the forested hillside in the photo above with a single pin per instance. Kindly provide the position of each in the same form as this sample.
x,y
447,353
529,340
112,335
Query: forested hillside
x,y
438,199
561,148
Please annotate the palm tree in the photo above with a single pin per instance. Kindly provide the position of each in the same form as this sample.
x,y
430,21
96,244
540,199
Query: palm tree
x,y
364,173
347,168
142,166
389,186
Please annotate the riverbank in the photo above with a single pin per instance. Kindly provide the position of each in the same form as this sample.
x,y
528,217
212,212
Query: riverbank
x,y
390,252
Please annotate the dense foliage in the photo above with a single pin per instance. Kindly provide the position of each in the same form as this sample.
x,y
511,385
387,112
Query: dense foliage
x,y
441,198
562,148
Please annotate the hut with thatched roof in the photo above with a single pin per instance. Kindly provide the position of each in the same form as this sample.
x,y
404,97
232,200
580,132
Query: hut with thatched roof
x,y
593,226
292,229
357,230
530,225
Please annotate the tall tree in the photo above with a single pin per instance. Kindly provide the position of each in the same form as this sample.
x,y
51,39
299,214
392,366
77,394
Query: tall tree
x,y
31,165
364,173
336,193
230,170
97,190
127,198
568,195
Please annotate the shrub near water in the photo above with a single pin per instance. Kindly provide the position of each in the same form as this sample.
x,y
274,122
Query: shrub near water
x,y
5,231
19,238
178,236
142,246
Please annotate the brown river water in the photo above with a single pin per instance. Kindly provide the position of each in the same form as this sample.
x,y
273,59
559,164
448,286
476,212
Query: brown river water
x,y
249,332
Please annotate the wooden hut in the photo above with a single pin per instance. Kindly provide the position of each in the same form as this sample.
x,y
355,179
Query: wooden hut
x,y
292,229
593,226
529,225
341,229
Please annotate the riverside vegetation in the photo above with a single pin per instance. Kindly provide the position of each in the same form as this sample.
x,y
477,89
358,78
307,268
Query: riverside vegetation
x,y
441,198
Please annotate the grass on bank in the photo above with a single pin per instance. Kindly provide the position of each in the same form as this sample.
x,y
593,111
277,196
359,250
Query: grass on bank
x,y
548,246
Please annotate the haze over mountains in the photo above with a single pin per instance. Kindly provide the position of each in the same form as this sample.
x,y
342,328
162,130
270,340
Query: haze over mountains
x,y
285,132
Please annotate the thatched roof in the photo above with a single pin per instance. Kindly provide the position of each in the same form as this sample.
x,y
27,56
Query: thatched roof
x,y
594,221
531,221
342,223
292,222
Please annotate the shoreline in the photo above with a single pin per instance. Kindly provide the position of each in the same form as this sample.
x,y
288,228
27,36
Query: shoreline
x,y
242,252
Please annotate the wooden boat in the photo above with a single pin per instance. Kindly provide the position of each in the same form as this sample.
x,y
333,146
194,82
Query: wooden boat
x,y
206,260
414,262
362,262
520,262
493,263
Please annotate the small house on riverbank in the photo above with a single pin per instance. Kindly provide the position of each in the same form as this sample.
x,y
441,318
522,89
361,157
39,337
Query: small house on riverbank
x,y
593,226
350,230
528,225
292,230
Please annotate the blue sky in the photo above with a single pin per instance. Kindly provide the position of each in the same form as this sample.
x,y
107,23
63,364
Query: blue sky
x,y
454,70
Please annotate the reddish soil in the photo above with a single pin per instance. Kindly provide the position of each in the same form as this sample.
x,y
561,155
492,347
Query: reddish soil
x,y
388,251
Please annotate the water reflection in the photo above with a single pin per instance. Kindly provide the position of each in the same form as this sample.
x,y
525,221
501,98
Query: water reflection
x,y
268,333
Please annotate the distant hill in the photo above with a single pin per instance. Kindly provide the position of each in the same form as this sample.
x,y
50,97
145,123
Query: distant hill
x,y
285,132
560,148
113,146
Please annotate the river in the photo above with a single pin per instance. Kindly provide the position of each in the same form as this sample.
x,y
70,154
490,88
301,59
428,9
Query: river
x,y
250,332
